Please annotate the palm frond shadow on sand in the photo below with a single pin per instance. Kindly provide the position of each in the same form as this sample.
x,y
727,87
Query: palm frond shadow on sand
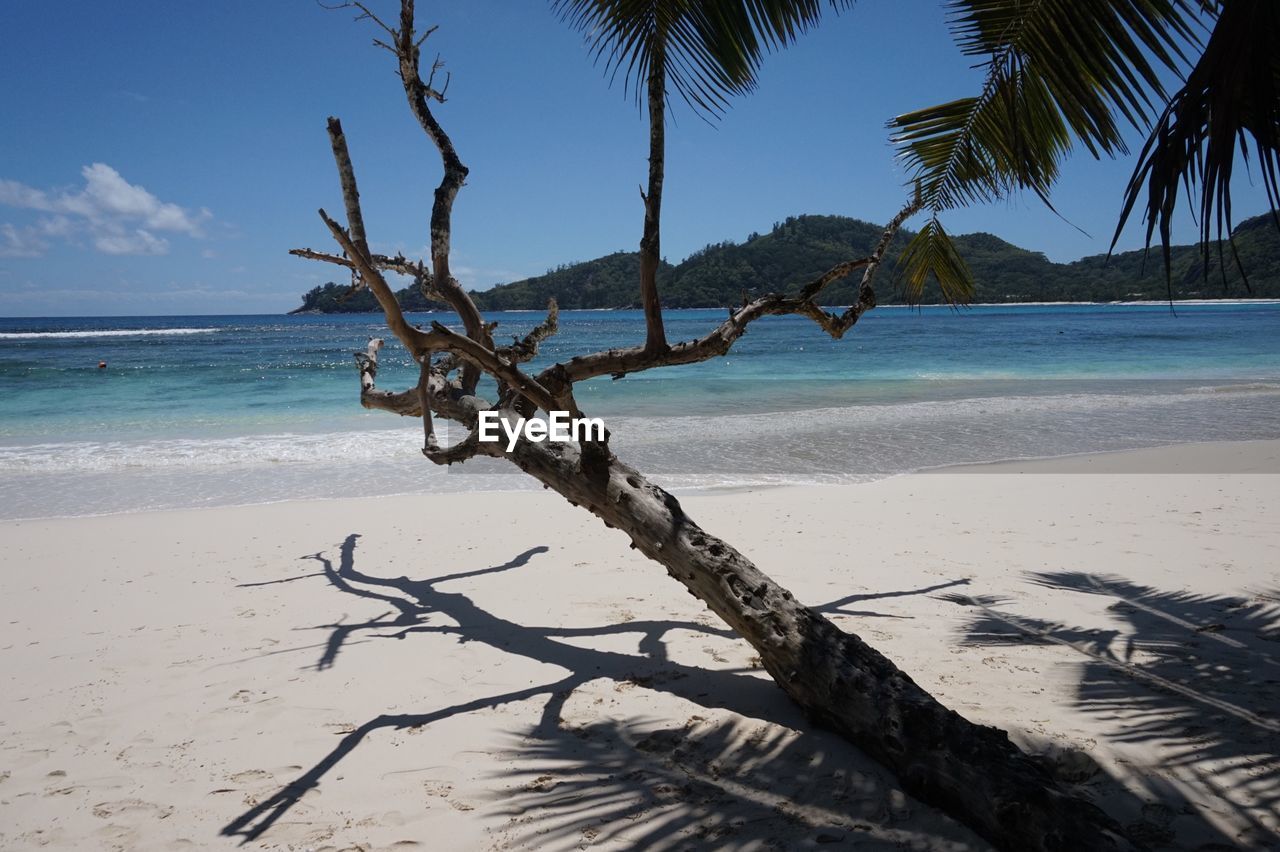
x,y
763,778
1191,679
729,784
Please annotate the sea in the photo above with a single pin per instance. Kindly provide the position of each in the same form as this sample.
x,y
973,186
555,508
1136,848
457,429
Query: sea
x,y
194,411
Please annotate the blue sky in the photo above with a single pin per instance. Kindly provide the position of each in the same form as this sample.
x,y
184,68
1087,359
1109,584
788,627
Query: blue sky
x,y
162,157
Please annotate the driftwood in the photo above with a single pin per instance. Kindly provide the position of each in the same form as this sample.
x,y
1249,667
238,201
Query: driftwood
x,y
970,771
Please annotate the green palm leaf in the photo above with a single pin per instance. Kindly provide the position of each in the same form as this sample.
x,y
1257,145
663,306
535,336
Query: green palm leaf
x,y
932,253
1058,72
711,49
1231,98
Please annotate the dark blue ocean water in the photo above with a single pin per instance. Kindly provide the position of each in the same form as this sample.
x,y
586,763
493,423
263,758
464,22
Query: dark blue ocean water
x,y
198,410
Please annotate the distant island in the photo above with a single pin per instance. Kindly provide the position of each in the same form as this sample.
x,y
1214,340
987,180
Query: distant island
x,y
802,247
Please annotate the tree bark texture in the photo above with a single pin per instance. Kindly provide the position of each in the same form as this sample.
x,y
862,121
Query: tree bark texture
x,y
972,772
651,240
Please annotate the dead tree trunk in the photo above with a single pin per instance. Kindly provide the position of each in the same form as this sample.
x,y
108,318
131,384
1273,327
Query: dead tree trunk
x,y
972,772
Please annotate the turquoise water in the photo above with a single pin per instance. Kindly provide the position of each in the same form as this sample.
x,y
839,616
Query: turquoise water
x,y
208,410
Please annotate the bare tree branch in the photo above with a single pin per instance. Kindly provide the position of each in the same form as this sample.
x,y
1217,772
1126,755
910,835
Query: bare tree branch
x,y
526,348
619,362
455,174
430,393
812,289
406,404
435,392
426,34
429,442
415,269
449,362
365,13
442,285
350,193
367,363
431,92
381,261
468,448
495,365
420,344
413,339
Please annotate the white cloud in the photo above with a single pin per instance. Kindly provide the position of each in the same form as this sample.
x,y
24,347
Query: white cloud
x,y
56,226
119,217
14,194
20,242
138,242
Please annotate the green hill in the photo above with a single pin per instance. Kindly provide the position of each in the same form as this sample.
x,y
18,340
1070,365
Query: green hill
x,y
606,282
331,298
802,247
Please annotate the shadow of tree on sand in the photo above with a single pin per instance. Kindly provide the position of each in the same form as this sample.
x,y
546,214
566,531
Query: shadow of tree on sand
x,y
1194,680
761,780
728,784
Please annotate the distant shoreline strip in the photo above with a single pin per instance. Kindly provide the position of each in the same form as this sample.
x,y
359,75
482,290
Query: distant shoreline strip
x,y
115,332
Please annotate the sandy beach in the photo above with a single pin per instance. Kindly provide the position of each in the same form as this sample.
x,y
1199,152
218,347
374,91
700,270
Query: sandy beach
x,y
500,672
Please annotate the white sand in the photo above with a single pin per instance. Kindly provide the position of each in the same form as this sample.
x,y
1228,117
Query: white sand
x,y
500,671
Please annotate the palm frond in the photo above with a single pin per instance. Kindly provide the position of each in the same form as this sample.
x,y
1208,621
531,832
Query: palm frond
x,y
932,253
1058,72
1231,98
712,49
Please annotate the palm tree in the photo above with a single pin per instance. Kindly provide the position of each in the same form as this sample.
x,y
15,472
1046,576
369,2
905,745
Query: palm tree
x,y
1060,72
706,52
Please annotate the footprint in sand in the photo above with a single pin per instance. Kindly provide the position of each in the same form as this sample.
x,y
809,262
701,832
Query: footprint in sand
x,y
437,788
716,655
541,784
30,756
132,808
252,775
117,837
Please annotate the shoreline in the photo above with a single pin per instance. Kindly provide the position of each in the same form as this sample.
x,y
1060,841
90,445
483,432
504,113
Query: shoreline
x,y
334,672
1264,300
1260,456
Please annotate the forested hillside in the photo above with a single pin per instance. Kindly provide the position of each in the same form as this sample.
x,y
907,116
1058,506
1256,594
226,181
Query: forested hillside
x,y
801,247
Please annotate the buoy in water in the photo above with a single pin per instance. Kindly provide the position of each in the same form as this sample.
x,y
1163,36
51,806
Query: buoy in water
x,y
102,365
